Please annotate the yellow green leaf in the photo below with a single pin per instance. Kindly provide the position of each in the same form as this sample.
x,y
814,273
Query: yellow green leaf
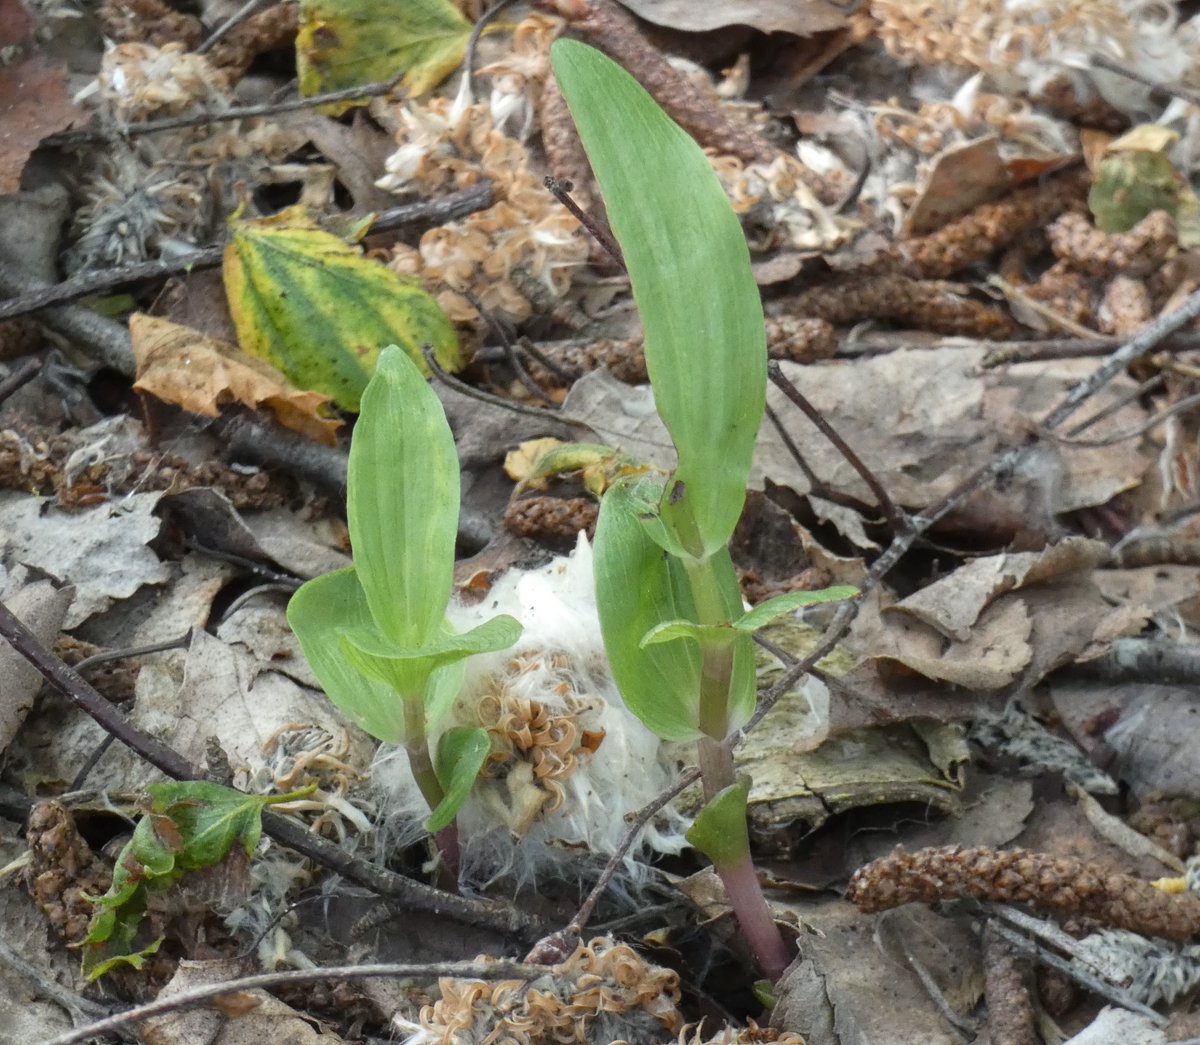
x,y
313,307
349,43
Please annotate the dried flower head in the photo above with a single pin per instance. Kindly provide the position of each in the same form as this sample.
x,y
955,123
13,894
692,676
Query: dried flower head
x,y
525,238
603,993
1028,44
138,81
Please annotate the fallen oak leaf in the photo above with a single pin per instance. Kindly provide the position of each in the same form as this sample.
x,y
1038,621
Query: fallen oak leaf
x,y
179,365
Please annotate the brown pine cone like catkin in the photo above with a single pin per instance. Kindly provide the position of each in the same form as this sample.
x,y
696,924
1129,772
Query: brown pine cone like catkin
x,y
1019,876
555,520
801,339
1007,978
991,226
1138,252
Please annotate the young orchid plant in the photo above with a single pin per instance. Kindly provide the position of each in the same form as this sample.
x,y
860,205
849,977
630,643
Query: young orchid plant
x,y
677,636
376,633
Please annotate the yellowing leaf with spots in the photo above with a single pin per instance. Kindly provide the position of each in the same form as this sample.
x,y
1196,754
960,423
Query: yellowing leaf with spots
x,y
348,43
313,307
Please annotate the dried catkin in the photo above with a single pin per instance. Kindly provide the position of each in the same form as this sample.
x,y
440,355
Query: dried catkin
x,y
1044,882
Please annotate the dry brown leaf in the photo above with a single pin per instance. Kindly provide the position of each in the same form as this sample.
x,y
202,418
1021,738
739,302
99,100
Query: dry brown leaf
x,y
34,100
961,177
179,365
800,17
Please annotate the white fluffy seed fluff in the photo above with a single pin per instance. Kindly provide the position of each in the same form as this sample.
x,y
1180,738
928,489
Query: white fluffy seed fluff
x,y
569,760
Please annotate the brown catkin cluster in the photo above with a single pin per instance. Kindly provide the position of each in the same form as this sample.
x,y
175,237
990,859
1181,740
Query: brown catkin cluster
x,y
147,22
63,871
1007,978
926,304
552,520
991,226
799,338
271,30
1138,252
1125,307
1019,876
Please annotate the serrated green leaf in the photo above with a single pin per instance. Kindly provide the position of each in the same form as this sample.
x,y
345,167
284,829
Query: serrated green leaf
x,y
781,605
402,502
461,753
349,43
211,818
190,825
690,270
720,831
319,613
313,307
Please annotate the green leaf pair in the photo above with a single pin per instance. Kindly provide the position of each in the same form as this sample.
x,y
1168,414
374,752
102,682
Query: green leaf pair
x,y
376,633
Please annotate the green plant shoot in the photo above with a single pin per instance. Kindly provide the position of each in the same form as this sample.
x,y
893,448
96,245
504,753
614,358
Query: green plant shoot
x,y
376,633
187,826
671,610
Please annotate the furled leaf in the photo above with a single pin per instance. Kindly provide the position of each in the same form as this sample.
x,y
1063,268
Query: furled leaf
x,y
638,587
402,503
348,43
461,753
319,613
311,305
772,609
178,365
720,831
690,270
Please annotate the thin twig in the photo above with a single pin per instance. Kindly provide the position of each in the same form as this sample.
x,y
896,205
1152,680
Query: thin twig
x,y
450,381
79,1008
438,211
1188,403
1103,62
566,376
485,20
103,658
523,375
20,377
1080,976
234,19
638,822
1131,396
562,192
895,516
286,832
171,123
496,970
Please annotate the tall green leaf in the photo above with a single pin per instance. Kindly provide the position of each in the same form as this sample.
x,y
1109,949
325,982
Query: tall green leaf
x,y
402,502
690,270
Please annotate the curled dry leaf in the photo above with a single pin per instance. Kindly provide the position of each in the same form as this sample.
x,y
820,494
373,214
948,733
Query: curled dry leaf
x,y
179,365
